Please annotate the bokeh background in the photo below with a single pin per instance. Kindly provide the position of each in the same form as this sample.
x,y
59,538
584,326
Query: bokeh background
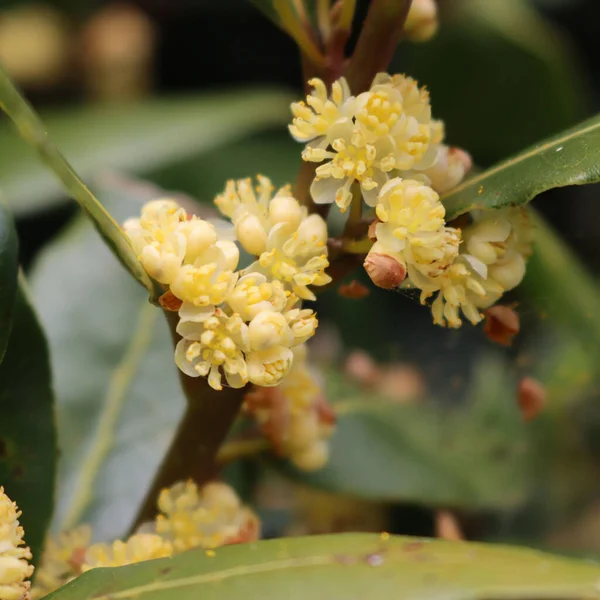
x,y
183,94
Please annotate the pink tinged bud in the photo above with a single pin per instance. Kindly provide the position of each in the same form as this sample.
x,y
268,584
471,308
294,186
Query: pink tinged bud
x,y
385,272
458,155
501,324
361,368
531,398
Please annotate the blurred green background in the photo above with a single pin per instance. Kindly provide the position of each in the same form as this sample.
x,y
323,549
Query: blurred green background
x,y
180,95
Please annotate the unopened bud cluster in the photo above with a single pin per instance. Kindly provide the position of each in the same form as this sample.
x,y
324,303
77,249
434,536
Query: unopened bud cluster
x,y
188,517
295,416
240,324
15,569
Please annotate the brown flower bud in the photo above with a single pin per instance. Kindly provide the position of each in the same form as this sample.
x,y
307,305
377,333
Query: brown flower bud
x,y
447,526
353,290
531,398
501,324
170,302
385,272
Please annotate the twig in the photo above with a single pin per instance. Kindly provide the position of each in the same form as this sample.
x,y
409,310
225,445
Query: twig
x,y
378,39
204,427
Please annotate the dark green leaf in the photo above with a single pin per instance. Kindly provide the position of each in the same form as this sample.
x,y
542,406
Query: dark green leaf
x,y
569,158
135,138
423,453
349,566
9,250
28,450
116,383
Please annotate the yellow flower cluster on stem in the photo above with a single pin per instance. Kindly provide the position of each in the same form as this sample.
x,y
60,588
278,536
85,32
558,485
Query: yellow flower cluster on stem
x,y
189,517
15,569
236,324
295,417
361,142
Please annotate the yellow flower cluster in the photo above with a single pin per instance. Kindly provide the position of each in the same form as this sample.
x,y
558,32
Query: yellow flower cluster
x,y
413,240
207,517
492,261
61,561
295,416
240,324
189,517
363,141
14,566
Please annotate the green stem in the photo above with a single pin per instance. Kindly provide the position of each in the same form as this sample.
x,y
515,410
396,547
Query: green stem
x,y
34,133
204,427
378,39
237,449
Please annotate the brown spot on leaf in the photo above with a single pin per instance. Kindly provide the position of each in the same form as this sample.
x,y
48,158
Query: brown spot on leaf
x,y
412,546
165,570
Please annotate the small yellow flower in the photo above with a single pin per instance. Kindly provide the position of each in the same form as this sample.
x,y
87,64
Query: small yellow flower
x,y
413,230
313,118
61,560
296,256
138,548
14,566
207,517
213,341
254,294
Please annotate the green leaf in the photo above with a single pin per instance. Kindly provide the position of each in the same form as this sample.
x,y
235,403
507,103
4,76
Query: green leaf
x,y
389,451
116,383
568,158
34,132
138,138
28,451
345,566
9,267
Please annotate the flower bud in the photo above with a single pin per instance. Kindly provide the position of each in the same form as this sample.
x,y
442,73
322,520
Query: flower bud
x,y
200,237
251,234
231,254
422,21
501,324
285,209
531,398
269,329
384,270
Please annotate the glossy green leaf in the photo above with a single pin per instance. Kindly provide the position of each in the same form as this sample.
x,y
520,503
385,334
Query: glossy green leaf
x,y
382,450
28,451
349,566
138,138
568,158
117,390
9,250
34,132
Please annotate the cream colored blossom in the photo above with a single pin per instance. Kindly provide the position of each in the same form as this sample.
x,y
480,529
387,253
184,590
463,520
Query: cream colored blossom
x,y
449,169
294,416
14,566
412,228
386,128
493,261
138,548
352,159
296,256
206,517
61,560
254,294
210,278
314,118
213,344
422,21
157,239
